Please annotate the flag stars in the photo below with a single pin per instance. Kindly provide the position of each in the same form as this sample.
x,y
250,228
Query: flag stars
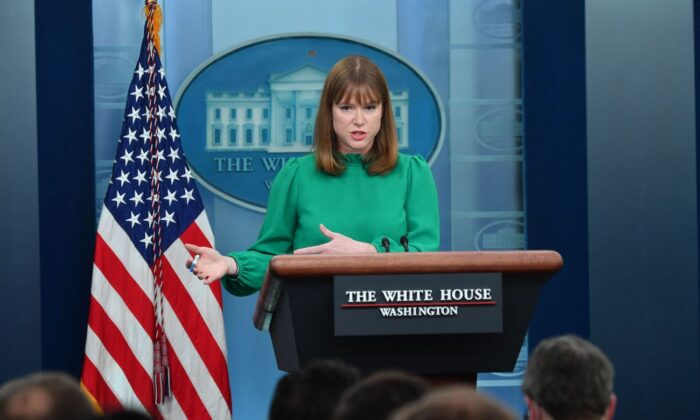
x,y
170,197
140,176
134,219
140,71
168,218
150,175
126,157
161,134
119,199
124,177
137,198
145,135
149,218
188,195
161,114
174,134
174,155
134,115
137,93
172,176
187,174
131,136
147,240
143,157
159,182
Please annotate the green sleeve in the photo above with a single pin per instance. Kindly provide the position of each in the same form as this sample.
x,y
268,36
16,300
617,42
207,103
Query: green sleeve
x,y
422,214
276,235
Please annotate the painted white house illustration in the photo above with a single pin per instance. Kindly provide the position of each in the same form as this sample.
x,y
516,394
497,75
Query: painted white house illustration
x,y
279,117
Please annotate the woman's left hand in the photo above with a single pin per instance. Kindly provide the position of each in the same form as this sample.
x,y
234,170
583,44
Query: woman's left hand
x,y
338,244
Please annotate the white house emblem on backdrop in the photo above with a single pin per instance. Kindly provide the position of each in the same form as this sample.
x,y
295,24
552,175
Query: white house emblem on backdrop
x,y
245,112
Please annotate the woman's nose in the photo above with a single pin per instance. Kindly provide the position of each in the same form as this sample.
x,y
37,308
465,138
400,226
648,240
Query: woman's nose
x,y
359,118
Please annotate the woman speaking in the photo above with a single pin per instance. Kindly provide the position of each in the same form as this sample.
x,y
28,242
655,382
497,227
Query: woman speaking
x,y
354,194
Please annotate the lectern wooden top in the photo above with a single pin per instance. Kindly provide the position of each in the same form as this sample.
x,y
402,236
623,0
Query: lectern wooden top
x,y
284,267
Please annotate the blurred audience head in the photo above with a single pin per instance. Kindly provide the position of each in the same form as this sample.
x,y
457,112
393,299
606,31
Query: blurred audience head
x,y
568,378
44,396
378,395
454,403
312,393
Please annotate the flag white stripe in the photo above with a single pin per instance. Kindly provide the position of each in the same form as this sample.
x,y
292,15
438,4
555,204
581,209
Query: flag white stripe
x,y
111,372
134,334
171,409
196,370
121,245
201,294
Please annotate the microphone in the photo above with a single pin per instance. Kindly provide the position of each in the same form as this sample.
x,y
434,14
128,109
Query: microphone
x,y
385,243
404,242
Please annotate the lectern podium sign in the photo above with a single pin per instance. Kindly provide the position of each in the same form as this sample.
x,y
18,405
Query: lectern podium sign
x,y
430,313
418,304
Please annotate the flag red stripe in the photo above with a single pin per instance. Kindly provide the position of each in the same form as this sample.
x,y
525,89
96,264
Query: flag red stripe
x,y
117,346
194,235
121,281
98,388
183,390
199,333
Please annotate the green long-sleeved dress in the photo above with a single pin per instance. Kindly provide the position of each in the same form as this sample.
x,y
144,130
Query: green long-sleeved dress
x,y
364,207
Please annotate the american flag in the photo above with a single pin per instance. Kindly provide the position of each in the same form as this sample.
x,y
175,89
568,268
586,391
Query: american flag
x,y
142,295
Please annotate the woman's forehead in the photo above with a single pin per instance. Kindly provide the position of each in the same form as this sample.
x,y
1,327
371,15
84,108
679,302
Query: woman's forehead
x,y
360,94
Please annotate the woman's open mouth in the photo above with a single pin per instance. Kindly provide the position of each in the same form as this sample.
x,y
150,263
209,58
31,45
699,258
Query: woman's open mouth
x,y
358,135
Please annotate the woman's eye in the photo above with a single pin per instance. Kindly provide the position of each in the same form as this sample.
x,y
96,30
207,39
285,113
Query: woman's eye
x,y
371,107
345,108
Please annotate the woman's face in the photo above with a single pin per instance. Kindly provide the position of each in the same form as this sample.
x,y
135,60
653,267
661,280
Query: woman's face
x,y
356,125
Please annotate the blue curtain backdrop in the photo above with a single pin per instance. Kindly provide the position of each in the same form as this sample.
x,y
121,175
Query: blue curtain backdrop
x,y
468,49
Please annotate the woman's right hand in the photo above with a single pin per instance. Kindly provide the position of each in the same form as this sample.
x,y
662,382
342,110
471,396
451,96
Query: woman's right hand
x,y
211,265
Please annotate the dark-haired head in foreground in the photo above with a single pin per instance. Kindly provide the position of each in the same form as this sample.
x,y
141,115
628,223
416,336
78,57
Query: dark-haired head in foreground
x,y
568,378
378,395
312,393
454,403
44,396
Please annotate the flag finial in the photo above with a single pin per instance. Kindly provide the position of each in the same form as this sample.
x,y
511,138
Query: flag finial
x,y
154,20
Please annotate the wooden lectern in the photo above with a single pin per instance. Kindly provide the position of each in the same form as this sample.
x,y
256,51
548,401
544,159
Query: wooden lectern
x,y
299,301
